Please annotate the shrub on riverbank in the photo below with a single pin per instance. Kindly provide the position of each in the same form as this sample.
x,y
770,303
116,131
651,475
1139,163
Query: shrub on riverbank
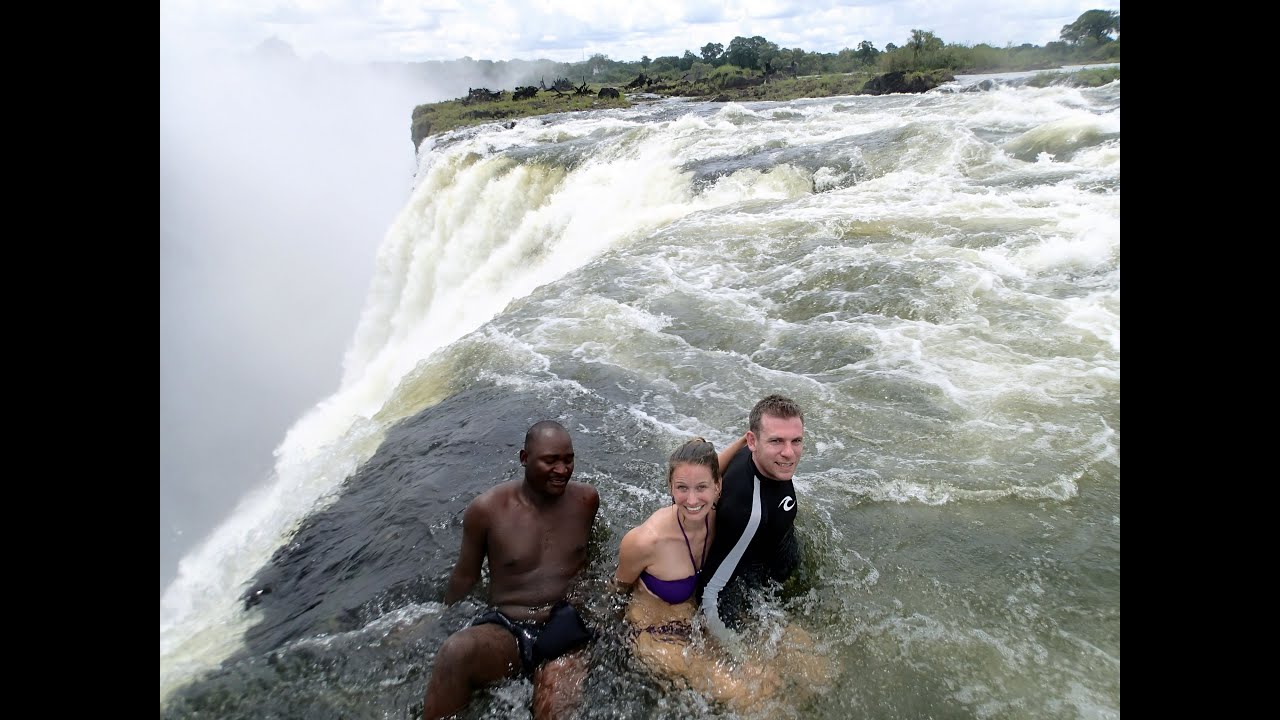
x,y
724,84
436,118
1089,77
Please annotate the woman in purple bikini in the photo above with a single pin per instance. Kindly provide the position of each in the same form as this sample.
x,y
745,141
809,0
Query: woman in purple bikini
x,y
659,562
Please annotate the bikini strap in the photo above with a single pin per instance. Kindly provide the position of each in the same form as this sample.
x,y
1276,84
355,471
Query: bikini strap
x,y
706,524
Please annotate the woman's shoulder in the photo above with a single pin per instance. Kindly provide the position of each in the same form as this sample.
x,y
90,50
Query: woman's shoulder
x,y
660,521
649,532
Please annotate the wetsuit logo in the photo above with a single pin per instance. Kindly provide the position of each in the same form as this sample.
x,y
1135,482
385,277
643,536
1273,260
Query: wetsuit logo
x,y
787,504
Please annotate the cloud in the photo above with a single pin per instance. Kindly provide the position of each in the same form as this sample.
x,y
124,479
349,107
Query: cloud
x,y
569,30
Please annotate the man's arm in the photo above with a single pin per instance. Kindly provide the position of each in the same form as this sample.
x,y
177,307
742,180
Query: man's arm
x,y
725,456
732,510
466,572
593,503
737,519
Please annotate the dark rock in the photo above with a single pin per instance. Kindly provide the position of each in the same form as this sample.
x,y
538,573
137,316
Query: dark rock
x,y
983,86
738,81
902,82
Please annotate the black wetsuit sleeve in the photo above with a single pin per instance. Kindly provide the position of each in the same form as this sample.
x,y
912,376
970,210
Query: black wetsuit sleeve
x,y
732,510
737,519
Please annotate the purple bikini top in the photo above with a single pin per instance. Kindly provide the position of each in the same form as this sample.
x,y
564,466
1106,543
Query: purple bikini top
x,y
673,592
670,591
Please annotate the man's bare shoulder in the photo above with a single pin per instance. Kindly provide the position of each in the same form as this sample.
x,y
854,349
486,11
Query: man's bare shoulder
x,y
586,494
491,500
585,491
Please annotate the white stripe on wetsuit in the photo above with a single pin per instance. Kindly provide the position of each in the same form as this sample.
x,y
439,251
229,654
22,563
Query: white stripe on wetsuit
x,y
711,594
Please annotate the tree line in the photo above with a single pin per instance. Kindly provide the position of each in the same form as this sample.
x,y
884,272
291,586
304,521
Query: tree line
x,y
1088,39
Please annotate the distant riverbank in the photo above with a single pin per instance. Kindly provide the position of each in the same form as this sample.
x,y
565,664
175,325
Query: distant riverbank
x,y
437,118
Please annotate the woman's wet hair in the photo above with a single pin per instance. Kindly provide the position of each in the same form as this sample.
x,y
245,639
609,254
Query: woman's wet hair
x,y
695,452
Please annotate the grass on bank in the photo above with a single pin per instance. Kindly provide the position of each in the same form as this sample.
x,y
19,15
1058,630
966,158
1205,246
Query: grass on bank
x,y
723,84
790,88
1089,77
441,117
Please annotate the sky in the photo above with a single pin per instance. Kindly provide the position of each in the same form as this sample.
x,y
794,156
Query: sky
x,y
573,30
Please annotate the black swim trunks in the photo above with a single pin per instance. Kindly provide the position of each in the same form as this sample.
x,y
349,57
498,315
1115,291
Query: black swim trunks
x,y
539,642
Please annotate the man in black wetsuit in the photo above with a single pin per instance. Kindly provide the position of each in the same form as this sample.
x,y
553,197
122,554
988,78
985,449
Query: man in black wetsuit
x,y
534,531
754,541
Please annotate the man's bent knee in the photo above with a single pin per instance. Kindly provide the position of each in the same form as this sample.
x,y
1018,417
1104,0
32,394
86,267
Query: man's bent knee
x,y
482,653
467,661
557,686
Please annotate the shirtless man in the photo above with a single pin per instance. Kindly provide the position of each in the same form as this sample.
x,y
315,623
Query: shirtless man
x,y
534,532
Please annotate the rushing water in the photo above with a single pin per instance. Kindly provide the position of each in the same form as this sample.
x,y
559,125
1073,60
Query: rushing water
x,y
935,278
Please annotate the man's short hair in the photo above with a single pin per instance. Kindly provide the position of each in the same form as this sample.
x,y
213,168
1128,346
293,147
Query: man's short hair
x,y
777,406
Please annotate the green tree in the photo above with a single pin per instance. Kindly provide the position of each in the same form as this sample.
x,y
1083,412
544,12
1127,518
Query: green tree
x,y
1095,25
751,53
867,52
712,52
923,41
665,63
597,63
644,61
